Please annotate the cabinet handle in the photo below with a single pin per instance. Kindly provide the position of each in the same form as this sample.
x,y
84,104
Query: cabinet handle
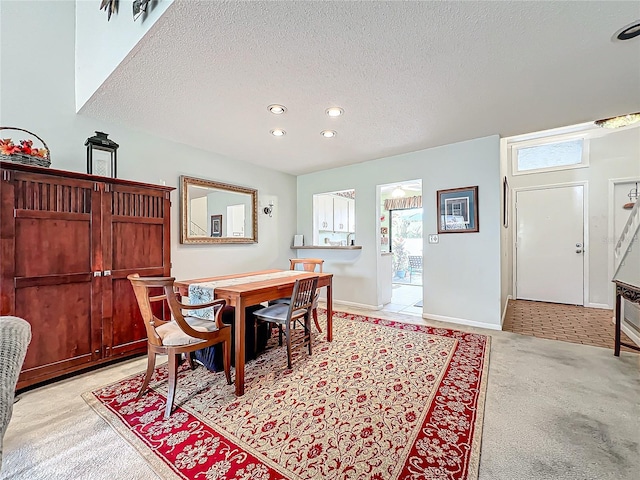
x,y
97,274
107,273
97,352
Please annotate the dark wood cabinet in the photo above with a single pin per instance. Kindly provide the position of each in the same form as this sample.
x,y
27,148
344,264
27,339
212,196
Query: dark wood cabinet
x,y
67,243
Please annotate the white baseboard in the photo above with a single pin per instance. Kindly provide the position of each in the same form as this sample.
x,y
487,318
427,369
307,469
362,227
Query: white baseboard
x,y
363,306
504,312
603,306
461,321
631,333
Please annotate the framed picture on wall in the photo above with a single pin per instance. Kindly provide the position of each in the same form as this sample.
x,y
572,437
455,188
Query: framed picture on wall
x,y
458,210
216,225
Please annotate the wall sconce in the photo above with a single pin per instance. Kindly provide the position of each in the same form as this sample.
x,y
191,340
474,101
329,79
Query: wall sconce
x,y
268,210
101,155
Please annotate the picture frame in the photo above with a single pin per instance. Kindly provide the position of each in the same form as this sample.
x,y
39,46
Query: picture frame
x,y
458,210
506,201
216,226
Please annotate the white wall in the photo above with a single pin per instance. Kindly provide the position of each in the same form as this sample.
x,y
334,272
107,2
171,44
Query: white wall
x,y
102,45
39,96
614,155
462,272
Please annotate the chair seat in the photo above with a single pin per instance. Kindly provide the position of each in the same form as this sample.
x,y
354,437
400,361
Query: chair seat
x,y
286,300
278,313
172,334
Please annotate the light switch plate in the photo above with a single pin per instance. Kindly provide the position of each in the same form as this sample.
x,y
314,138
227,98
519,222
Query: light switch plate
x,y
433,238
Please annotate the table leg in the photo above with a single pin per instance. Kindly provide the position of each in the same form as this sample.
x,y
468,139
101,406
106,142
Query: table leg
x,y
329,312
240,335
616,348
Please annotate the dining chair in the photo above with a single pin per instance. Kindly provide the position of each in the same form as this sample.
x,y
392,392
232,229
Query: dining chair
x,y
298,310
308,265
15,335
180,335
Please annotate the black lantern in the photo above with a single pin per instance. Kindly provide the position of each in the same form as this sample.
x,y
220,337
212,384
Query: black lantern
x,y
101,155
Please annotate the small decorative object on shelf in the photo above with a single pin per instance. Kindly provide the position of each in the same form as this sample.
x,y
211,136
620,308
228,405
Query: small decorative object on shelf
x,y
24,151
101,155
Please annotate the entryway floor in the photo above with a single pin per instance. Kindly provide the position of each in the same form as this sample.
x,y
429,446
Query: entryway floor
x,y
404,298
567,323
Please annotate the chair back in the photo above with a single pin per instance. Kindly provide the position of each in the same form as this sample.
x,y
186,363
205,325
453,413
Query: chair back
x,y
142,288
306,264
302,297
415,261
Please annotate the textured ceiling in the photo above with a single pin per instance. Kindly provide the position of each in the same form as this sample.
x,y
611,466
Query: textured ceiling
x,y
409,75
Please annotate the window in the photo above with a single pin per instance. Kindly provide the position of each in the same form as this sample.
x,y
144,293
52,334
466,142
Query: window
x,y
535,156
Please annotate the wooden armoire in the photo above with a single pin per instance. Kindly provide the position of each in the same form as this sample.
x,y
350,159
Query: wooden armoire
x,y
67,243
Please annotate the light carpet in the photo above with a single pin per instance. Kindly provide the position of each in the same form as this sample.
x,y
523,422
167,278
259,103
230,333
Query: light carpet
x,y
384,400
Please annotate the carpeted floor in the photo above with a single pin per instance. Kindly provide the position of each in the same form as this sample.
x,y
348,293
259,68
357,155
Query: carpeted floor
x,y
553,410
384,400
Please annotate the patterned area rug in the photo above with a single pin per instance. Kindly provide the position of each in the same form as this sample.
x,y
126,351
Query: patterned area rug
x,y
383,401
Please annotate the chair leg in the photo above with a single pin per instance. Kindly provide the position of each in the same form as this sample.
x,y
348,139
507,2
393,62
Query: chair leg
x,y
315,319
190,361
151,365
279,334
173,377
288,335
226,353
307,329
255,338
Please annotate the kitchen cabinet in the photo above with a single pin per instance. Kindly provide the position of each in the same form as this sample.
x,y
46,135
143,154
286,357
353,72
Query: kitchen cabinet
x,y
352,214
68,242
325,212
340,214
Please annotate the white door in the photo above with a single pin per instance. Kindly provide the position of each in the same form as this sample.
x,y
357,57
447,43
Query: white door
x,y
550,245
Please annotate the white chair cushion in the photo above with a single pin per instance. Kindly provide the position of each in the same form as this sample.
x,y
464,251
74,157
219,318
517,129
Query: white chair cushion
x,y
172,335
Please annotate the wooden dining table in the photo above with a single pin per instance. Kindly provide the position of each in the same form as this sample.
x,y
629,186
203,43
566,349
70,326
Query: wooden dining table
x,y
242,295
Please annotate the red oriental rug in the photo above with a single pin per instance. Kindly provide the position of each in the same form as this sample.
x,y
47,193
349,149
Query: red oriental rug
x,y
383,401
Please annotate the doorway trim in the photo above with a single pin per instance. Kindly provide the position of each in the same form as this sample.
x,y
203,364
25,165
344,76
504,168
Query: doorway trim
x,y
585,234
611,241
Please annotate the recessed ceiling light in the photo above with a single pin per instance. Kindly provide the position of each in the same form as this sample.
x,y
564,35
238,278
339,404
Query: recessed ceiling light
x,y
334,111
278,132
328,133
630,31
277,109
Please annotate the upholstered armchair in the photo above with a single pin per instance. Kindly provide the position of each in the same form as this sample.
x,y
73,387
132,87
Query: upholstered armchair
x,y
15,335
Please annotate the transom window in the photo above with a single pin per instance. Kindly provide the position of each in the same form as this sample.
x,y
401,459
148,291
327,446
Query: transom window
x,y
534,157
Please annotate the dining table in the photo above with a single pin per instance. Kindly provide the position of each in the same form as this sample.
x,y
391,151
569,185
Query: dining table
x,y
252,288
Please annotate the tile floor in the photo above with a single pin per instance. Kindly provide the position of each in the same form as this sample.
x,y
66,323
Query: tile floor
x,y
403,299
567,323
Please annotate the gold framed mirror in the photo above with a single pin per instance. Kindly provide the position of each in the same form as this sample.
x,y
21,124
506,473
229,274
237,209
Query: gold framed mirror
x,y
214,212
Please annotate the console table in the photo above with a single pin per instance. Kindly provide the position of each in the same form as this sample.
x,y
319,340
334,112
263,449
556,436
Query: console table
x,y
631,293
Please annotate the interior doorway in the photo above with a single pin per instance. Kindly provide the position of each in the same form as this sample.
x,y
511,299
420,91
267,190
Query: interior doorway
x,y
401,227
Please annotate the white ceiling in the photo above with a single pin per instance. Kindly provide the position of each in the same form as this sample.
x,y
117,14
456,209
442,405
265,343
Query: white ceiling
x,y
409,75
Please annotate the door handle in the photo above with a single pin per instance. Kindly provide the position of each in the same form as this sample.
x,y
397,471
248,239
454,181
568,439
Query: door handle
x,y
578,251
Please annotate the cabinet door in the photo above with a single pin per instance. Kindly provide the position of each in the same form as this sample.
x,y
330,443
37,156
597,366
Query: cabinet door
x,y
340,214
352,215
135,240
49,224
325,213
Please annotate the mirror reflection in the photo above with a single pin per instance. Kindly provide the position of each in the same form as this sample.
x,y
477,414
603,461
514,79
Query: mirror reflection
x,y
214,212
334,219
